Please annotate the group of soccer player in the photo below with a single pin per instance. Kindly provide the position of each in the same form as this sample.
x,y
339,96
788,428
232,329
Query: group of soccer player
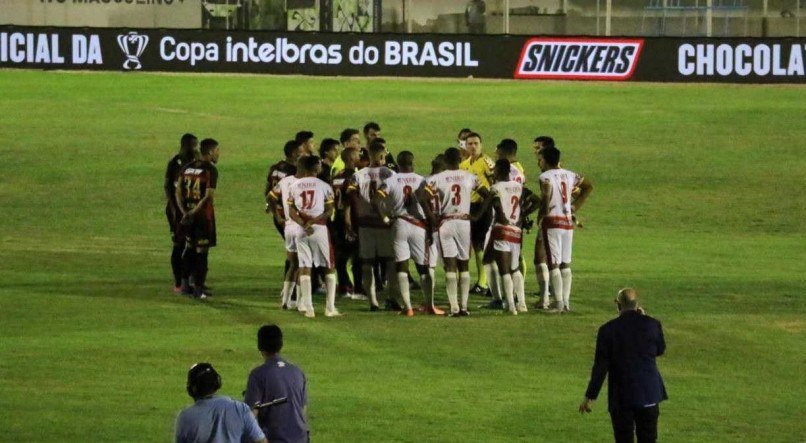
x,y
356,202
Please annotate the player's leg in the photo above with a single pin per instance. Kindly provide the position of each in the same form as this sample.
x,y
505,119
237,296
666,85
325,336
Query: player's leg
x,y
401,245
289,280
542,270
305,257
200,272
463,242
553,242
326,260
429,283
565,268
447,241
478,234
366,243
386,256
518,279
503,259
493,277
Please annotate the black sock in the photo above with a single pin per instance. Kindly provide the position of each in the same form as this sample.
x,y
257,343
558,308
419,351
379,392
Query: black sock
x,y
176,264
200,272
188,264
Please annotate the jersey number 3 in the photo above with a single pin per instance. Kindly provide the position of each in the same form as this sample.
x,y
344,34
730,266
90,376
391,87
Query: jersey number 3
x,y
457,195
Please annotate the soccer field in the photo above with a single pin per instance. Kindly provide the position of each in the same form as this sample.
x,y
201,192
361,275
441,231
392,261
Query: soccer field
x,y
698,203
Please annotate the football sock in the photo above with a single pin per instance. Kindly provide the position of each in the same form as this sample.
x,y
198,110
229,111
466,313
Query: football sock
x,y
392,287
403,284
518,288
567,278
557,286
188,262
427,285
330,290
506,280
493,280
176,264
288,290
201,271
523,267
543,279
480,269
369,283
464,288
306,299
450,289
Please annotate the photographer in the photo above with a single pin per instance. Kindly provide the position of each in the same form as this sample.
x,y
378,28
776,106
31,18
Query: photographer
x,y
214,418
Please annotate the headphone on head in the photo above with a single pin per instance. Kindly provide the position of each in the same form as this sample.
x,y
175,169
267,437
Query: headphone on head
x,y
202,376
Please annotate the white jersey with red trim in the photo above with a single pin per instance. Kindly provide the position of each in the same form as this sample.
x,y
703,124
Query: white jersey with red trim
x,y
400,189
282,191
509,193
454,189
310,195
562,183
516,174
366,183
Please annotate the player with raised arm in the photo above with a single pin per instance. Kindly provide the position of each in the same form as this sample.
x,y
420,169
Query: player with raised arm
x,y
453,188
398,202
194,196
558,214
310,205
187,153
374,234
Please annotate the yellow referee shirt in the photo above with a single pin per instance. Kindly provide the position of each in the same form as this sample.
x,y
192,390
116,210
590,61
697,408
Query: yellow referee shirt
x,y
481,167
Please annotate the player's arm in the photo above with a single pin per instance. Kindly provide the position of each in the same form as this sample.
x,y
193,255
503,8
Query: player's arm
x,y
500,216
424,196
206,200
273,206
179,195
380,203
585,187
323,217
530,203
294,214
170,177
545,198
483,208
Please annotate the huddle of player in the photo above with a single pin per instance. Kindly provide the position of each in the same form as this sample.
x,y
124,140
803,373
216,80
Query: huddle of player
x,y
380,214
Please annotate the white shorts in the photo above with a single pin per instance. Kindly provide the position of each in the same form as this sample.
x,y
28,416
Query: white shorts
x,y
454,238
291,232
409,242
375,243
507,239
435,252
558,245
315,250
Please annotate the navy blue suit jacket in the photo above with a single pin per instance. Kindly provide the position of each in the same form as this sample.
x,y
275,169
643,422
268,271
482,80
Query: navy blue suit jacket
x,y
626,348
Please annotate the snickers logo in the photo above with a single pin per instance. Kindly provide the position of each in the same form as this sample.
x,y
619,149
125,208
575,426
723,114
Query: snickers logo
x,y
579,58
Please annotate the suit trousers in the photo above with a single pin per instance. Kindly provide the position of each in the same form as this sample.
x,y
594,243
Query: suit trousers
x,y
638,422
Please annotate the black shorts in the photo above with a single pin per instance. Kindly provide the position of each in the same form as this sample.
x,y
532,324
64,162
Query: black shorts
x,y
200,233
479,228
174,217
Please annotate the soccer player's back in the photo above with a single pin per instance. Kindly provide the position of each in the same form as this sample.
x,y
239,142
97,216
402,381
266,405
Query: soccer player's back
x,y
187,153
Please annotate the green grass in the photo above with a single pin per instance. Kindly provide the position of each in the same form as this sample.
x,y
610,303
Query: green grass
x,y
698,203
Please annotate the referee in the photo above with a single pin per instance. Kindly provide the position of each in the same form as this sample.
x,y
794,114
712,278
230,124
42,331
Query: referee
x,y
481,166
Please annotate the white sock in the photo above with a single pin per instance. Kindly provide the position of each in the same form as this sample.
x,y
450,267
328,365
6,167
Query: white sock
x,y
567,278
518,288
557,285
464,288
544,279
288,290
305,297
493,280
450,288
368,281
427,285
506,280
330,286
403,284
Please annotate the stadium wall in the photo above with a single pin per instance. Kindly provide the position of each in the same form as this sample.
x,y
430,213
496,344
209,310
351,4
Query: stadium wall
x,y
681,59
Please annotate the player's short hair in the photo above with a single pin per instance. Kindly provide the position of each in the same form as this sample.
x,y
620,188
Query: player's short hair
x,y
327,144
187,140
377,146
347,134
270,338
371,125
203,380
507,147
290,147
464,131
405,159
345,154
308,163
544,140
502,167
473,134
551,155
453,156
303,136
207,145
438,163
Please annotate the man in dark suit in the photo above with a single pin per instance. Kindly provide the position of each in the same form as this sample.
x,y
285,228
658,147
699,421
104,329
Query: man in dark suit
x,y
626,348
